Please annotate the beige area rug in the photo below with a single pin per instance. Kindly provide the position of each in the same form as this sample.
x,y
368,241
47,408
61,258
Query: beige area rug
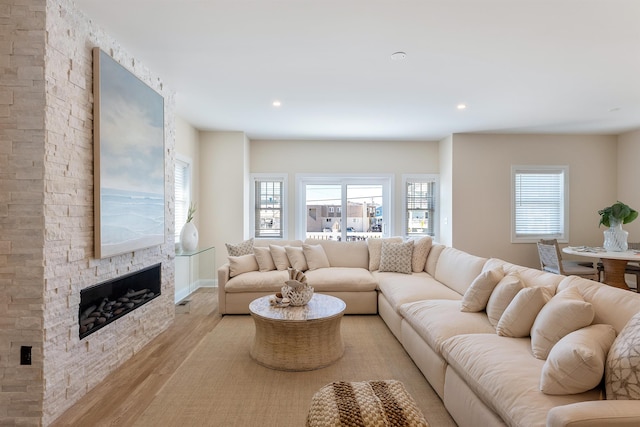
x,y
220,385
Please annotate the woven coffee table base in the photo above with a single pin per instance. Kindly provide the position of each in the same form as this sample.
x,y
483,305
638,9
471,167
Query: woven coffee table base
x,y
364,404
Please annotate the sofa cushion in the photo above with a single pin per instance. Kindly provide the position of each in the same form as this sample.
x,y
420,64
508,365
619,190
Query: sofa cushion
x,y
264,258
564,313
432,258
506,377
622,375
400,288
437,320
421,248
242,264
315,256
375,250
280,258
344,254
478,293
457,269
296,258
257,281
336,279
576,363
518,318
502,295
239,249
396,257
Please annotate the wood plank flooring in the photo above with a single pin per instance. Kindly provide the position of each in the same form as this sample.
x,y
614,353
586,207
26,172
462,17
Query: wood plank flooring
x,y
125,394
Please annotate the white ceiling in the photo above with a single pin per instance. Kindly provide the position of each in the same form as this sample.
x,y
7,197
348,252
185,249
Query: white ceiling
x,y
521,66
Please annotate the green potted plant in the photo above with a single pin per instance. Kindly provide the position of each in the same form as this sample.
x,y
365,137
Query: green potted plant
x,y
615,238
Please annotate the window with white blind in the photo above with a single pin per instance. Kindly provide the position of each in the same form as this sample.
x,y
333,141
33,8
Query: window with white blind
x,y
269,200
420,193
182,194
540,203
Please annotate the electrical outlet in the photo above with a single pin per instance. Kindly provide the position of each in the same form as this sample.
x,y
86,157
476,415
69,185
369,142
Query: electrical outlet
x,y
25,355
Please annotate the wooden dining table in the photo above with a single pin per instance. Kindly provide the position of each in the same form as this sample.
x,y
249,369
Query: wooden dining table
x,y
614,262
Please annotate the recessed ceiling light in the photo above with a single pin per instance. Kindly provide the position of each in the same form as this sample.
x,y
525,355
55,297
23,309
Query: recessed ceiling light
x,y
615,109
276,103
398,56
461,106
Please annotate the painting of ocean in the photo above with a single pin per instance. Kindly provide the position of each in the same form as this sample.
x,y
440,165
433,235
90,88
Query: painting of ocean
x,y
129,160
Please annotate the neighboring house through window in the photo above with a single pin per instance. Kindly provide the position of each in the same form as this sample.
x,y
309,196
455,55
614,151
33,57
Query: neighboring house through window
x,y
420,203
540,207
268,193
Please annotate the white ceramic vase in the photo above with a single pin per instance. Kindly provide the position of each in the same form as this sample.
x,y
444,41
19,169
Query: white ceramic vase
x,y
189,237
615,238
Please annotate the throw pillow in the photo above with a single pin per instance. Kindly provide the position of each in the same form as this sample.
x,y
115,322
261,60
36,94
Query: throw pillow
x,y
315,256
375,250
396,257
478,293
239,249
564,313
280,258
502,295
518,318
576,363
264,258
242,264
622,372
296,258
421,248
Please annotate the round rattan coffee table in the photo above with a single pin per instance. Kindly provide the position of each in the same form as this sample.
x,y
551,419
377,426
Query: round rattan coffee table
x,y
298,338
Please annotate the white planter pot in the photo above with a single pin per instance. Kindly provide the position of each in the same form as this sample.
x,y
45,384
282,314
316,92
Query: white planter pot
x,y
189,237
615,238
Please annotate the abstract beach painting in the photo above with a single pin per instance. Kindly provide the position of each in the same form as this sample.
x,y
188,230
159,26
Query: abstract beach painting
x,y
128,160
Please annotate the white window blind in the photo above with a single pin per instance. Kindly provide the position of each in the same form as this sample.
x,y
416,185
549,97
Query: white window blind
x,y
420,205
539,203
182,195
268,208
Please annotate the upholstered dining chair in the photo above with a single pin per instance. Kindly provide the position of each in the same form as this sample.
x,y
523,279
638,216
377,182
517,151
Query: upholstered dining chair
x,y
634,267
551,261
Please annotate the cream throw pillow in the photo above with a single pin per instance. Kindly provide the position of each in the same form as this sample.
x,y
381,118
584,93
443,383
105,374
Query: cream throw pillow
x,y
315,256
264,258
564,313
622,373
477,295
242,264
280,258
239,249
502,295
421,248
296,258
576,363
375,250
396,257
518,318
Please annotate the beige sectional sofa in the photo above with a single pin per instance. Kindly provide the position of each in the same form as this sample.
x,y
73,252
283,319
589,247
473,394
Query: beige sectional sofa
x,y
479,361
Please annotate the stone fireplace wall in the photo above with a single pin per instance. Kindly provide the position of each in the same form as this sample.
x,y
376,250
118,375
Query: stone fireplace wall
x,y
46,213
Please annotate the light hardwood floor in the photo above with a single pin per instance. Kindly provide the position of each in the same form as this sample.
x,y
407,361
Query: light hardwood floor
x,y
126,393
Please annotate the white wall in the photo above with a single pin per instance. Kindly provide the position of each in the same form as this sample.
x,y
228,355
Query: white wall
x,y
482,188
446,186
335,157
629,177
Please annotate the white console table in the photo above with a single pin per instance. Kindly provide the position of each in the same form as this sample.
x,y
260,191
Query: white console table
x,y
201,266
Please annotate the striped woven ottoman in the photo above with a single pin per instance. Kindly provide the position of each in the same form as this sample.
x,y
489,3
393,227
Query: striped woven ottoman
x,y
364,404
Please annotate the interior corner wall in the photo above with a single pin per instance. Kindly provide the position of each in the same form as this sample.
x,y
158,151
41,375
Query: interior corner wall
x,y
482,188
445,191
629,177
22,228
71,367
223,187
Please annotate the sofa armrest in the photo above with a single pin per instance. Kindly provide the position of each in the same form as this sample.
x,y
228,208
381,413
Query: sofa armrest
x,y
596,413
223,278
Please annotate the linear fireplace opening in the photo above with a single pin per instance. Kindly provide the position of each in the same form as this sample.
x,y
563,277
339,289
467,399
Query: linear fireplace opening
x,y
105,302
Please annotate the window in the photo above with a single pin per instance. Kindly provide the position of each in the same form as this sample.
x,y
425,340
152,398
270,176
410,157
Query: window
x,y
343,207
420,193
268,194
540,203
182,193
